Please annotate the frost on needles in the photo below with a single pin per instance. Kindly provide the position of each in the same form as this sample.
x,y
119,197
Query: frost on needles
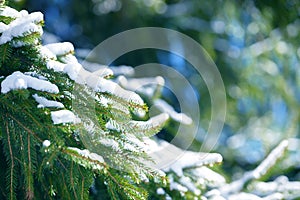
x,y
51,150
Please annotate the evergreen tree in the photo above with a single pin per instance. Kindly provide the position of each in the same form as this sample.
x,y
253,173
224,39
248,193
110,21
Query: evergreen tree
x,y
53,147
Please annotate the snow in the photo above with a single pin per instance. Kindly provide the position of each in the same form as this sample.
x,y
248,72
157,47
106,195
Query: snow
x,y
105,72
25,18
117,70
244,196
165,107
208,177
46,143
187,182
68,58
45,103
46,53
19,31
24,25
86,153
9,12
73,69
109,143
102,100
100,84
56,65
289,189
60,49
193,159
177,186
64,116
136,83
18,80
160,191
111,125
153,122
3,27
91,66
270,160
146,86
123,69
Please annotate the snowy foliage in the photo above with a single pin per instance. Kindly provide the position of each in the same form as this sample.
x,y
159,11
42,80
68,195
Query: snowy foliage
x,y
18,80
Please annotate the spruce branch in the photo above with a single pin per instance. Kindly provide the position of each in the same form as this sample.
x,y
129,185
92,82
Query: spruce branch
x,y
11,176
258,172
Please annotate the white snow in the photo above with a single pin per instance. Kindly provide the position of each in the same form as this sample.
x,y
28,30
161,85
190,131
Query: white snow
x,y
155,121
187,182
193,159
244,196
209,177
104,72
46,53
73,69
23,13
86,153
22,26
91,66
136,83
281,185
139,112
111,125
45,103
100,84
3,27
9,12
109,143
64,116
117,70
46,143
19,31
270,160
60,49
102,100
160,191
25,18
18,80
165,107
69,58
146,86
122,70
177,186
55,65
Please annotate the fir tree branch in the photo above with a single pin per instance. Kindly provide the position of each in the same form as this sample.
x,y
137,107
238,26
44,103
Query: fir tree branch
x,y
82,185
29,192
12,163
25,112
258,172
71,179
25,128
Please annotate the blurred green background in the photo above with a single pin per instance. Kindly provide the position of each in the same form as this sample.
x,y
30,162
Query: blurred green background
x,y
255,44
